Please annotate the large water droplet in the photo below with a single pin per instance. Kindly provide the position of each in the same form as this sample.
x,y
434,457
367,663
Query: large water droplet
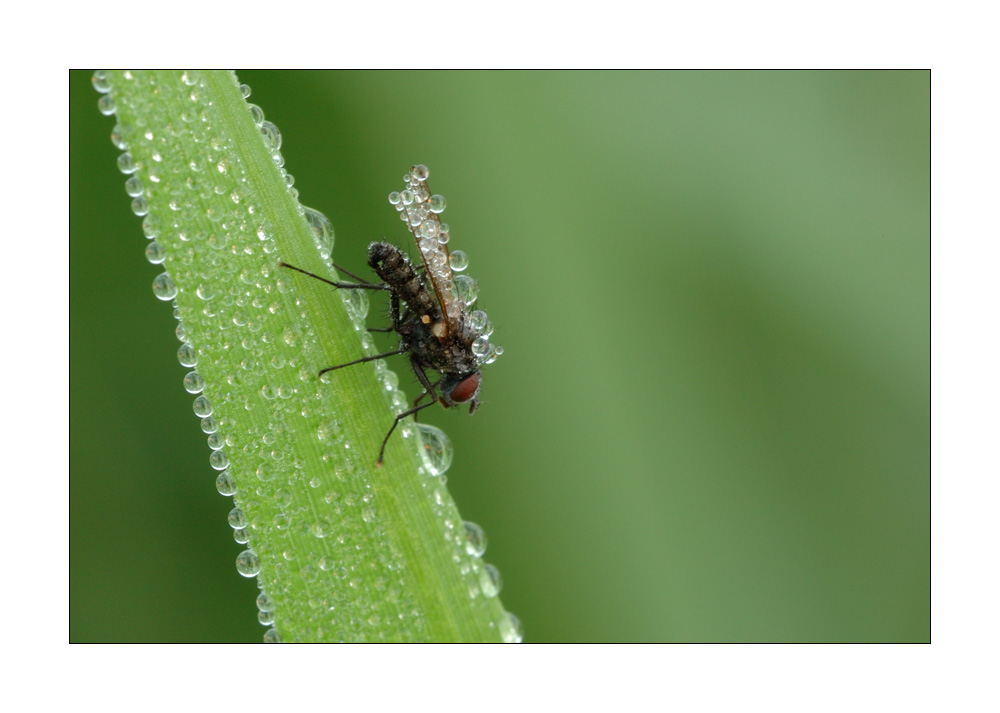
x,y
237,519
187,356
466,289
481,347
256,113
437,203
321,227
475,539
490,581
126,164
271,636
102,81
140,206
151,226
164,287
435,448
511,630
247,563
202,406
155,253
272,137
225,484
106,105
264,602
133,186
194,383
459,260
356,302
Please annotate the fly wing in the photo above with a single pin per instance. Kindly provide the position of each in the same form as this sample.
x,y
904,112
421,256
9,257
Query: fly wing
x,y
421,211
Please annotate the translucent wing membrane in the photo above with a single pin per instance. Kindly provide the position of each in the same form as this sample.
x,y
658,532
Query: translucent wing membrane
x,y
421,210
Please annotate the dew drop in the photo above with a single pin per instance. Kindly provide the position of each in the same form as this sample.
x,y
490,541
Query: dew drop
x,y
321,227
101,81
187,356
264,602
321,528
437,203
475,539
225,484
356,302
155,253
458,260
256,113
118,138
140,206
218,460
126,164
164,287
133,186
511,630
481,347
202,406
106,105
435,448
283,498
247,563
466,289
237,519
390,380
194,383
495,351
490,581
151,226
328,431
271,636
264,472
291,334
272,137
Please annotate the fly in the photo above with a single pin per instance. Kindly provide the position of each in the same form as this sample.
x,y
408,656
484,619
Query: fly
x,y
430,306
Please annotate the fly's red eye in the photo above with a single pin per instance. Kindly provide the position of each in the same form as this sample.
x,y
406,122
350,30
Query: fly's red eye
x,y
466,388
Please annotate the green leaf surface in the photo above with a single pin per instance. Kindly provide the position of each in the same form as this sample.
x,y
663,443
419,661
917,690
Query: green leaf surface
x,y
343,550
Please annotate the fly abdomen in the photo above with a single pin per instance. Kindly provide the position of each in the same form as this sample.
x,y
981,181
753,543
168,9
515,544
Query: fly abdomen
x,y
392,265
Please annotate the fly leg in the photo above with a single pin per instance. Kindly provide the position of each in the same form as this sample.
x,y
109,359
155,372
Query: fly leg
x,y
362,285
400,350
429,390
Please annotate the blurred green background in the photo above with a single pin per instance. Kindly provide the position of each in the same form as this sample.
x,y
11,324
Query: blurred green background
x,y
712,418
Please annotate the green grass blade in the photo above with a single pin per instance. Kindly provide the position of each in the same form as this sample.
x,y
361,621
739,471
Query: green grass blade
x,y
343,550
